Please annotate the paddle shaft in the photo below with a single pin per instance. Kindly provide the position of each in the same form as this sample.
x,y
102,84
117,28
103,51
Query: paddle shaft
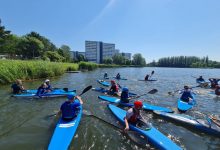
x,y
84,91
150,92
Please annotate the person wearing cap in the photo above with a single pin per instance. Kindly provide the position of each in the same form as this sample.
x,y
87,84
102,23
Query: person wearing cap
x,y
217,90
17,87
48,88
214,82
125,95
200,79
146,77
106,75
118,76
113,89
70,107
42,89
133,114
187,94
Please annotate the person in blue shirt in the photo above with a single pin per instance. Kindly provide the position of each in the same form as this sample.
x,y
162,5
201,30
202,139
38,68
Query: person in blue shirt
x,y
118,76
187,94
106,75
125,95
70,107
42,89
49,87
17,87
200,79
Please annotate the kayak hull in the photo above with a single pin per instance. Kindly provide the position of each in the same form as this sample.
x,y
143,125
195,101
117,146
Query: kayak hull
x,y
198,124
103,90
154,136
149,80
120,78
104,83
184,106
146,106
64,133
54,93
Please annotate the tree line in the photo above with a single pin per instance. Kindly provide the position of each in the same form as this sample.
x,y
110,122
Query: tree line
x,y
35,46
185,62
32,46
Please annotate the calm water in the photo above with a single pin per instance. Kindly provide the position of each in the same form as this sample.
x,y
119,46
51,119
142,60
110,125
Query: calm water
x,y
24,123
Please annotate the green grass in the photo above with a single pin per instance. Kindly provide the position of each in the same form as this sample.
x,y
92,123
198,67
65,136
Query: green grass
x,y
10,70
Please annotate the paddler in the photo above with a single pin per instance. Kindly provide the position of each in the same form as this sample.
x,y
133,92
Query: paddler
x,y
133,114
70,107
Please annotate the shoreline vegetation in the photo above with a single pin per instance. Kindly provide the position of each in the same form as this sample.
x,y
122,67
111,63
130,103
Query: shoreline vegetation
x,y
28,70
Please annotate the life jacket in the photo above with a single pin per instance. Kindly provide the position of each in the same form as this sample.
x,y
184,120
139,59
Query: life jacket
x,y
134,117
186,95
217,91
114,88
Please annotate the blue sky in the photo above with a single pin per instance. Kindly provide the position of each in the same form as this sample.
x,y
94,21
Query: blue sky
x,y
154,28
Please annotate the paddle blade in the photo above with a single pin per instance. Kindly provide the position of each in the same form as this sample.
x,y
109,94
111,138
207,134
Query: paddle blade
x,y
152,72
153,91
85,90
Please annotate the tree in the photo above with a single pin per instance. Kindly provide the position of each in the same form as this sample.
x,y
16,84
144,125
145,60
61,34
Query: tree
x,y
108,60
30,47
64,51
5,35
53,56
138,60
118,59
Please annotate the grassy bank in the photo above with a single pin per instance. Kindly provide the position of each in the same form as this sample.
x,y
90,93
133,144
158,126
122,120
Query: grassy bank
x,y
10,70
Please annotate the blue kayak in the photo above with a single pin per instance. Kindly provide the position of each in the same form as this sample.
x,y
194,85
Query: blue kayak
x,y
184,106
33,91
145,105
103,90
149,80
199,124
104,83
54,93
64,133
120,78
154,136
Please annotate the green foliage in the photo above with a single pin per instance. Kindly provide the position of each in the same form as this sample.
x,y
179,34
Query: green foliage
x,y
138,60
53,56
107,61
87,66
64,51
10,70
185,61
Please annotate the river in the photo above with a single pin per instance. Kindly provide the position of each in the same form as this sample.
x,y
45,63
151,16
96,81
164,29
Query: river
x,y
24,123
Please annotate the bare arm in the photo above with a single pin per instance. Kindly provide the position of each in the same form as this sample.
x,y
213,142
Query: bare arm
x,y
126,124
80,99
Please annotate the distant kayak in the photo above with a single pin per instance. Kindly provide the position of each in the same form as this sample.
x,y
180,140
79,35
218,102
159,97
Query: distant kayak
x,y
104,83
149,80
184,106
154,136
146,106
54,93
120,78
103,90
64,132
198,124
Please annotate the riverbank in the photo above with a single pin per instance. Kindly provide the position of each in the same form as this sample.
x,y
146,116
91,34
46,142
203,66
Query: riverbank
x,y
10,70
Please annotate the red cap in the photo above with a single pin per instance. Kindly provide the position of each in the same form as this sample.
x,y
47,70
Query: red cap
x,y
138,104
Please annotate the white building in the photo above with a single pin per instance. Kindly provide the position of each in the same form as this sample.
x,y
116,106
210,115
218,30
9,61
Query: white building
x,y
127,55
96,51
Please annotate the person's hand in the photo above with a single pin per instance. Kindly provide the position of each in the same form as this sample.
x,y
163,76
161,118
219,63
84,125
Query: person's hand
x,y
78,97
126,129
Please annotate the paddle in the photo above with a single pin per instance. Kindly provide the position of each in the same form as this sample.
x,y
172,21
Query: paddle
x,y
84,91
152,72
142,140
172,93
153,91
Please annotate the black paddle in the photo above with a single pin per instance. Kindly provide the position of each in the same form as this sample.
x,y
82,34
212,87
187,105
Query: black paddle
x,y
141,140
172,93
153,91
151,73
84,91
